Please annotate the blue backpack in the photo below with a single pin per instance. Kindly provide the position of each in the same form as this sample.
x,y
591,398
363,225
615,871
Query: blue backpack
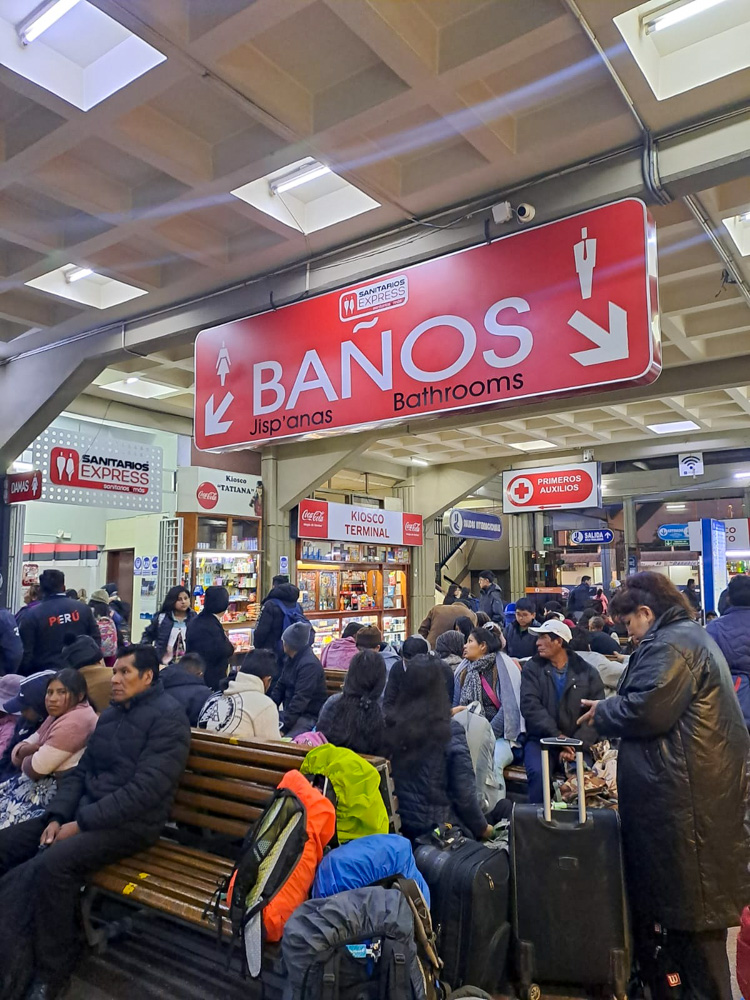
x,y
290,616
367,861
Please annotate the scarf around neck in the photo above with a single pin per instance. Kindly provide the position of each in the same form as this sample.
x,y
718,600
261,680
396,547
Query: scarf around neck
x,y
69,732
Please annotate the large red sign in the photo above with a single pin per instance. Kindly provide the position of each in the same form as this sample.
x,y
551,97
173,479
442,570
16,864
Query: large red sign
x,y
553,486
343,522
68,467
20,487
566,307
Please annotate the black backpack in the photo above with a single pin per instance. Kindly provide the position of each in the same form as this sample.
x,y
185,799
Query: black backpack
x,y
374,943
290,615
269,855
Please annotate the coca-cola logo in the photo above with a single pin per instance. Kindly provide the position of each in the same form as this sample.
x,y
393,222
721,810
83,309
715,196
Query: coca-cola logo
x,y
312,516
207,496
412,526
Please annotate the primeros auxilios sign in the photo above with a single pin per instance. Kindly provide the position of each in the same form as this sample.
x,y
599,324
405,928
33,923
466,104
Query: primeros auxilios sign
x,y
562,308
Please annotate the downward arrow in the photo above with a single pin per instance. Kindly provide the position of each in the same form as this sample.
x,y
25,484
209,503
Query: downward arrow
x,y
213,424
611,345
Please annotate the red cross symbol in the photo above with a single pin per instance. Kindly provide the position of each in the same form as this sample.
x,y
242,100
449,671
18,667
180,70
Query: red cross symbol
x,y
521,490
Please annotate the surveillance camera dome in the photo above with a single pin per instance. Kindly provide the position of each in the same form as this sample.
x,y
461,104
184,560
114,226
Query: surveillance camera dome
x,y
525,212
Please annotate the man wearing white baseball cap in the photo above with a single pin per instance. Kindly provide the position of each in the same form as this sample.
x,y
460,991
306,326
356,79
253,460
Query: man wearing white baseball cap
x,y
553,682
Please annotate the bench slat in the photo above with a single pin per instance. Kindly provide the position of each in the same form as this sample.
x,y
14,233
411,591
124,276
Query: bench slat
x,y
233,827
229,787
217,805
230,769
157,900
189,856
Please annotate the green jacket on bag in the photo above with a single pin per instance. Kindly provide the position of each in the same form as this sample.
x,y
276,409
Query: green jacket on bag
x,y
360,810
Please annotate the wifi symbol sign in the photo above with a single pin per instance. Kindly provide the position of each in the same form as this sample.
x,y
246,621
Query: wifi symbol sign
x,y
691,465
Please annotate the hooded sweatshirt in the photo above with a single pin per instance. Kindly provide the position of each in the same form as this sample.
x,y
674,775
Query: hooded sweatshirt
x,y
244,711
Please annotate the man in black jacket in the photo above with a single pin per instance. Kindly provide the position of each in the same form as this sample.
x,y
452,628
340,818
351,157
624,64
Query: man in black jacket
x,y
44,627
112,805
184,681
520,640
552,685
580,598
301,688
491,597
279,606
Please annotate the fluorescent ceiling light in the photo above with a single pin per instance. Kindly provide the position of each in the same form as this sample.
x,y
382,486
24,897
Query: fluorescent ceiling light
x,y
76,273
140,388
530,445
307,173
97,290
745,217
676,506
419,461
676,13
742,475
674,427
130,381
41,18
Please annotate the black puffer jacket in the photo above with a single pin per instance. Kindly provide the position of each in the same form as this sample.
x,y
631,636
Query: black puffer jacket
x,y
267,634
186,688
207,638
436,788
681,778
544,714
301,688
129,773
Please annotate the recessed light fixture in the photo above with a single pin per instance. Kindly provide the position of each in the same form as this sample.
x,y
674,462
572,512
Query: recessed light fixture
x,y
530,445
419,461
676,506
309,172
131,381
41,18
76,273
742,475
676,13
745,217
674,427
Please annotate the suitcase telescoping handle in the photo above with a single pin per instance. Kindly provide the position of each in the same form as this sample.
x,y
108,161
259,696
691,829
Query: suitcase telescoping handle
x,y
558,743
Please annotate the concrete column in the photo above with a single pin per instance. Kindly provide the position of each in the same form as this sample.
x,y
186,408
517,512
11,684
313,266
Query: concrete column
x,y
520,542
746,502
630,529
276,540
423,576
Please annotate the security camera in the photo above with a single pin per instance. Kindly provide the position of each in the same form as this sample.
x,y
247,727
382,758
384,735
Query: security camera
x,y
525,212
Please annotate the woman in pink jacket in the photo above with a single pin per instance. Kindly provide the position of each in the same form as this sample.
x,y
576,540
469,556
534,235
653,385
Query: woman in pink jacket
x,y
337,655
54,749
10,685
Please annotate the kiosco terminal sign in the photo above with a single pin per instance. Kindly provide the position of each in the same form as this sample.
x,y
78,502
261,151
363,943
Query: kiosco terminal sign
x,y
563,308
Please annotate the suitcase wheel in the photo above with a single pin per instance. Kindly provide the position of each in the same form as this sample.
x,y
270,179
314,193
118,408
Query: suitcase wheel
x,y
533,992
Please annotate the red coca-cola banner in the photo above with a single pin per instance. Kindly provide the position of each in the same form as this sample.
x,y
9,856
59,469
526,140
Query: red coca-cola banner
x,y
342,522
562,308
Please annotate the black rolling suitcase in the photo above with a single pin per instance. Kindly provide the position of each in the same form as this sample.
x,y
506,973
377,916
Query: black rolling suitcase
x,y
470,906
569,907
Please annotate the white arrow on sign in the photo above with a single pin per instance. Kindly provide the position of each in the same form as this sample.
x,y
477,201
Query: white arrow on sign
x,y
213,422
611,345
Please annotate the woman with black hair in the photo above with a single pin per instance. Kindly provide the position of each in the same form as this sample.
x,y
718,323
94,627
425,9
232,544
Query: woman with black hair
x,y
682,787
168,629
430,759
47,754
354,718
207,638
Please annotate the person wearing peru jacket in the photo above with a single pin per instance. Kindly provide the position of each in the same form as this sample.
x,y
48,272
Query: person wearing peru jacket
x,y
114,804
682,788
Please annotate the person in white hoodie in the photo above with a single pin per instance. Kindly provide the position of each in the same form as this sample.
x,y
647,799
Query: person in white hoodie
x,y
244,710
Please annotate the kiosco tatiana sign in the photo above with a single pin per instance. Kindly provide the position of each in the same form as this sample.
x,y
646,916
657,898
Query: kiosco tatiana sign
x,y
342,522
563,308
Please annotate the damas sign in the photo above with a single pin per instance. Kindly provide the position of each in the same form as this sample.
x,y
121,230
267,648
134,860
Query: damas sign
x,y
342,522
554,486
563,308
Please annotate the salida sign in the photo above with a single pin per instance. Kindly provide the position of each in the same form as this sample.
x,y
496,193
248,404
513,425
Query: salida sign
x,y
554,486
563,308
344,522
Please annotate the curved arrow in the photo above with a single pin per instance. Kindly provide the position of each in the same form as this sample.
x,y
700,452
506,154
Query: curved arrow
x,y
611,345
213,424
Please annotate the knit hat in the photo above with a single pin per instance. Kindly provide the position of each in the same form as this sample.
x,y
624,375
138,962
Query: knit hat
x,y
216,600
10,685
101,596
298,636
82,651
368,637
30,694
111,588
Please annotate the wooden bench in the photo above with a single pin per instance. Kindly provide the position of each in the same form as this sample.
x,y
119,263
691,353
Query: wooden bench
x,y
335,681
224,789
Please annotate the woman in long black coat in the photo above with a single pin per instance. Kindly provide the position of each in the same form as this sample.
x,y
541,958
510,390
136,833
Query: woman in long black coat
x,y
207,638
682,785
